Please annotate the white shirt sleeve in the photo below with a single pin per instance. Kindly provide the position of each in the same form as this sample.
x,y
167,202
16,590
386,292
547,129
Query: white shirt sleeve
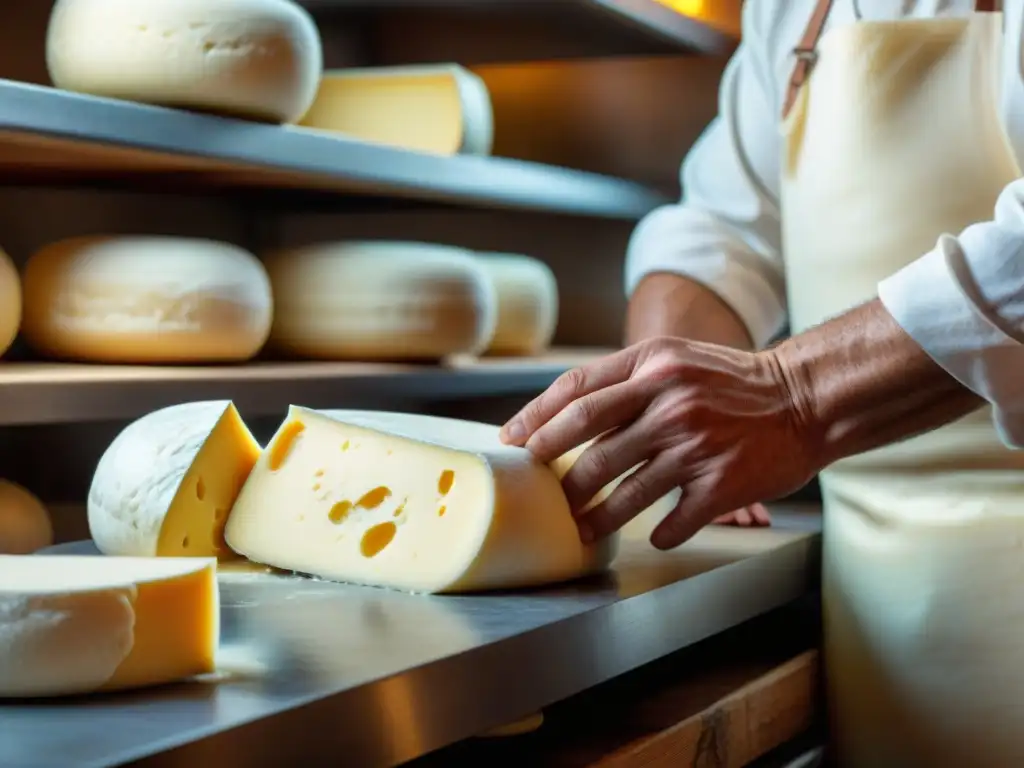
x,y
963,302
726,232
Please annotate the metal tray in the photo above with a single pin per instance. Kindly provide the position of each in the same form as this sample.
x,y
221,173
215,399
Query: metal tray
x,y
316,673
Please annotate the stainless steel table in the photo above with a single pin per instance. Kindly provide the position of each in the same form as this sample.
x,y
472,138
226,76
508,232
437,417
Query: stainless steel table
x,y
315,673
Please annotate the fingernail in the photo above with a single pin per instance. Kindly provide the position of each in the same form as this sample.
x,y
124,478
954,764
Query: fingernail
x,y
586,533
512,432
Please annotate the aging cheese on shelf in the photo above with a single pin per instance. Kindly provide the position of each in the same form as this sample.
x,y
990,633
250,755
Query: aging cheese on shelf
x,y
440,108
380,301
25,525
146,300
71,625
527,304
418,503
258,59
166,485
10,302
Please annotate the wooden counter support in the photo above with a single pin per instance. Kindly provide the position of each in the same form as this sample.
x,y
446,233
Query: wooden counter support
x,y
722,704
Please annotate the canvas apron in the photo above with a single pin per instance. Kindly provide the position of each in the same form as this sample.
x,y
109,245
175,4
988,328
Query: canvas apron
x,y
892,137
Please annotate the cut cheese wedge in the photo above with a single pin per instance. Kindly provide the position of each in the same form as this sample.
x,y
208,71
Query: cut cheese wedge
x,y
71,625
10,302
146,300
167,483
439,108
259,59
417,503
527,303
25,525
380,301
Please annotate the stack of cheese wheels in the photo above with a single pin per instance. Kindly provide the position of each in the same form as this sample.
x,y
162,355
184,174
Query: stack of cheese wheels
x,y
10,302
439,108
25,525
146,300
527,304
258,59
72,625
380,301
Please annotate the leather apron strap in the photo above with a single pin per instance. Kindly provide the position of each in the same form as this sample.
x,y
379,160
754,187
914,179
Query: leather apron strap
x,y
806,51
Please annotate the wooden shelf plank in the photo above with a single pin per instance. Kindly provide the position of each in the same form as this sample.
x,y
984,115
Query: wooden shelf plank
x,y
54,393
56,135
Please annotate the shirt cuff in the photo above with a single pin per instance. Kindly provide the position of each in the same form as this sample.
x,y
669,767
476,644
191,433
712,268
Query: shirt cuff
x,y
929,302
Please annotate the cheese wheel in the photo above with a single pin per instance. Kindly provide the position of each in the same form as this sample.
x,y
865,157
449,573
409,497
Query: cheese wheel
x,y
380,301
72,625
439,108
10,302
527,304
146,300
259,59
166,484
25,525
417,503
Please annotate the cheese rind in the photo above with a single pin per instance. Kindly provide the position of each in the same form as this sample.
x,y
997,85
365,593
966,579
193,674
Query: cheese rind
x,y
146,300
10,302
259,59
380,301
71,625
25,525
527,303
166,485
417,503
439,108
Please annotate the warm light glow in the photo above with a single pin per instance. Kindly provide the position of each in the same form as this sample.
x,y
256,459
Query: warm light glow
x,y
723,14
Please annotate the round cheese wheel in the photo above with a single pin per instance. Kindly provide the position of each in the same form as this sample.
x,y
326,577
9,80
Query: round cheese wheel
x,y
259,59
146,300
381,301
25,525
10,302
527,304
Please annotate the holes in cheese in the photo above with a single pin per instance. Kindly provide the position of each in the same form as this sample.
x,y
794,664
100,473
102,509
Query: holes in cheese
x,y
73,625
380,301
146,300
259,59
144,498
504,521
438,108
10,302
25,525
527,304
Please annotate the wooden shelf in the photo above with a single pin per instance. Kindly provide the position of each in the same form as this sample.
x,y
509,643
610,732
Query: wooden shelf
x,y
55,393
55,136
558,27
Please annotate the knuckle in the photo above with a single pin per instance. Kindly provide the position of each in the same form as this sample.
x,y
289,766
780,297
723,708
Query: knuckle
x,y
572,381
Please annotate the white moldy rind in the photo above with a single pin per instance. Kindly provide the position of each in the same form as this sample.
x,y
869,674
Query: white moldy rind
x,y
251,58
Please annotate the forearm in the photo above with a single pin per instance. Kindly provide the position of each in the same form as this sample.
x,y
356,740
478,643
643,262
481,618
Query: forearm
x,y
664,304
860,382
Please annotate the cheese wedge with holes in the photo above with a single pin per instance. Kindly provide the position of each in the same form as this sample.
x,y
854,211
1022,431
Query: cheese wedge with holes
x,y
25,525
438,108
71,625
527,303
416,503
380,301
167,483
10,302
259,59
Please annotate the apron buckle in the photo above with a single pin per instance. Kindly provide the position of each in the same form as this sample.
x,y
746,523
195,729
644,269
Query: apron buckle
x,y
807,56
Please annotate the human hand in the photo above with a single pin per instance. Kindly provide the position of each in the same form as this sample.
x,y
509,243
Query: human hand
x,y
751,516
730,428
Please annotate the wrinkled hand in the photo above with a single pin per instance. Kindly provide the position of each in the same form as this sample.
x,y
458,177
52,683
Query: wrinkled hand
x,y
729,427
